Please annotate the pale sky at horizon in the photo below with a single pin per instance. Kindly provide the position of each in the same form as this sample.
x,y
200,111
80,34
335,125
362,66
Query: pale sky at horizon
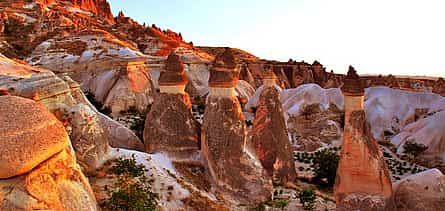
x,y
376,37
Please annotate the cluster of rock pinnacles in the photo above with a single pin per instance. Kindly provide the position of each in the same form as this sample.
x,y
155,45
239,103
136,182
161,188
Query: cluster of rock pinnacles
x,y
246,168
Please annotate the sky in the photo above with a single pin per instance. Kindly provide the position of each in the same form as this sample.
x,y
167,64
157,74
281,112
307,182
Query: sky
x,y
401,37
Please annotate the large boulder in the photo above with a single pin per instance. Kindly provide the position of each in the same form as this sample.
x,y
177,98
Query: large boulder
x,y
39,170
29,135
88,129
421,191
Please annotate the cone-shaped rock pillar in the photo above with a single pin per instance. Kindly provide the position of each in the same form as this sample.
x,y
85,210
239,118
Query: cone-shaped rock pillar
x,y
362,181
235,172
269,134
170,126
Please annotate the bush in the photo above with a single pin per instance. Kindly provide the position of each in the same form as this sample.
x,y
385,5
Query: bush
x,y
259,207
307,198
98,105
281,203
132,191
325,163
138,123
413,149
137,126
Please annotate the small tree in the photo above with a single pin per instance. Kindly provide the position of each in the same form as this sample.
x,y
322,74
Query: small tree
x,y
132,191
413,149
307,198
325,163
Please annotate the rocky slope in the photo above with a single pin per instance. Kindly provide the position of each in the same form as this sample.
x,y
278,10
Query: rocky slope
x,y
38,168
74,48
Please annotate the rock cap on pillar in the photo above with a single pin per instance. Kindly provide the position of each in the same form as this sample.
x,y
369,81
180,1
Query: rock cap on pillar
x,y
353,85
269,78
269,75
174,72
223,73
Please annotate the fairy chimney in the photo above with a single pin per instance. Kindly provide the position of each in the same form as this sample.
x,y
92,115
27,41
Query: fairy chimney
x,y
173,79
362,179
233,170
269,134
170,126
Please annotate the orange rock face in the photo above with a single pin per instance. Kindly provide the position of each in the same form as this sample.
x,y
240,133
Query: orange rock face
x,y
270,138
223,73
100,8
439,87
29,134
174,72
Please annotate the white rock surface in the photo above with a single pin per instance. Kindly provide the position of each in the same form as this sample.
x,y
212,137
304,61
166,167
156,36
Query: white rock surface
x,y
392,109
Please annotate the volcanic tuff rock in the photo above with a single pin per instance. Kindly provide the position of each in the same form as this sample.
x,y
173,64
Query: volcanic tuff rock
x,y
90,132
421,191
29,135
270,139
170,126
439,87
112,70
100,8
232,168
362,174
38,171
394,112
316,125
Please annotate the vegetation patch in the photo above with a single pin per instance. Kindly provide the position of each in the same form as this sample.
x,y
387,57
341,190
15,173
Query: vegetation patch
x,y
307,198
98,105
132,191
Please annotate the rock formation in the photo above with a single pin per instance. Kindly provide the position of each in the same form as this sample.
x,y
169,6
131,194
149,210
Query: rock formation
x,y
38,170
115,73
100,8
232,168
332,81
246,75
320,74
170,126
439,87
269,135
362,180
89,130
421,191
315,125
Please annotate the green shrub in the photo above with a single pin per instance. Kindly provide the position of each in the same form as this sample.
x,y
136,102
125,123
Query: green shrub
x,y
259,207
132,191
414,149
324,164
137,126
281,203
98,105
307,198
